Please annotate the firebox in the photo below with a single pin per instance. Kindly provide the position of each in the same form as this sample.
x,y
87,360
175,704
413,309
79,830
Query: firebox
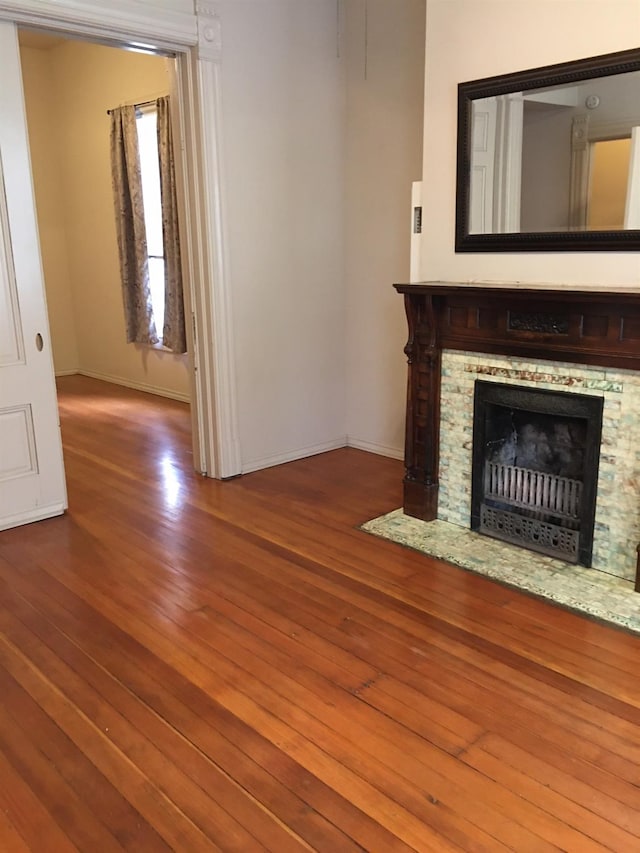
x,y
535,468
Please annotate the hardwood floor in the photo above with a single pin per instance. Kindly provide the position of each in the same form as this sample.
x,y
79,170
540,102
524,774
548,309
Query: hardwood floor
x,y
192,665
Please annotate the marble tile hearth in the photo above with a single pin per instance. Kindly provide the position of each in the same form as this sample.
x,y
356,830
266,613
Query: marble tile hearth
x,y
590,592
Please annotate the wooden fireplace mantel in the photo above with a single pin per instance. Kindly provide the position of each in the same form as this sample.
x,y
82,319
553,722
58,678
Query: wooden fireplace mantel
x,y
587,326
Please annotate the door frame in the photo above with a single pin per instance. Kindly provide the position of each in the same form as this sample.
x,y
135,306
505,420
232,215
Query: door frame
x,y
195,39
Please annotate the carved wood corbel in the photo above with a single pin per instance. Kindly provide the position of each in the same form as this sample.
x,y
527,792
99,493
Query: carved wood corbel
x,y
422,436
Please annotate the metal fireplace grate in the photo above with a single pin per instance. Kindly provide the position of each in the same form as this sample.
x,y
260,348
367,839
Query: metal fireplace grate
x,y
547,498
535,468
542,536
535,490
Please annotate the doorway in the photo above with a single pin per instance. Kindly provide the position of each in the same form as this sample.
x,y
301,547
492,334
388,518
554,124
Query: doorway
x,y
69,85
29,375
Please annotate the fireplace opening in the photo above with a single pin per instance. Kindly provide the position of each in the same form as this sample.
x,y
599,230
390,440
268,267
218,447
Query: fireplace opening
x,y
535,468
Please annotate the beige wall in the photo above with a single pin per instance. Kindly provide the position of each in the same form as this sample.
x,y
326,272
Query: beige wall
x,y
40,93
609,177
384,75
471,39
68,90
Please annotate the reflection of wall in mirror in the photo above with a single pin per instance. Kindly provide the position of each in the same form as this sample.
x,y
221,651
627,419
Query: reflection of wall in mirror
x,y
546,161
608,185
617,96
546,147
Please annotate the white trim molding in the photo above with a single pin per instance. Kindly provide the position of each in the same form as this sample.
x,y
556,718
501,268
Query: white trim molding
x,y
579,177
209,33
325,447
201,86
508,169
374,447
128,383
116,21
293,455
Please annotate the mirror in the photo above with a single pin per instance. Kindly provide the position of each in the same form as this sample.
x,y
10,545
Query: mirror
x,y
549,159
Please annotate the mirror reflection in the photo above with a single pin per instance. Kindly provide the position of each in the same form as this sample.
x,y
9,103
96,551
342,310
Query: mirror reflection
x,y
548,159
557,158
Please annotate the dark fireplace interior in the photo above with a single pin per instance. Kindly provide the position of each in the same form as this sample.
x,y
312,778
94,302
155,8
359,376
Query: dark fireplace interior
x,y
535,468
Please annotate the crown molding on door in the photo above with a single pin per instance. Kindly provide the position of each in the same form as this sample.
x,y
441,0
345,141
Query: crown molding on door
x,y
119,20
209,33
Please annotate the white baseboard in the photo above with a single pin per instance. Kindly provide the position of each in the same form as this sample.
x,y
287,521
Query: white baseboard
x,y
314,450
73,372
127,383
372,447
292,456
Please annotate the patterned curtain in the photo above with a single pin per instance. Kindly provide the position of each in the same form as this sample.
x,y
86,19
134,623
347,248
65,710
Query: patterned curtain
x,y
132,239
173,333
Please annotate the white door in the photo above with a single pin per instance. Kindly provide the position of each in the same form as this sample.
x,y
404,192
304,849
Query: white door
x,y
483,156
32,484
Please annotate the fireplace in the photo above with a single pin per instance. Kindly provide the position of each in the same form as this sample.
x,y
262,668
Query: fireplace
x,y
535,468
579,340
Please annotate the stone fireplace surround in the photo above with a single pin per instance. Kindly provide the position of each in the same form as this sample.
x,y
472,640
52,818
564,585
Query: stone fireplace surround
x,y
585,341
617,523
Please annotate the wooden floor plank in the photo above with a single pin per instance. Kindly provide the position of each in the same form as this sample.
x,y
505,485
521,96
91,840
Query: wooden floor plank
x,y
215,678
215,730
175,828
565,783
40,772
186,775
81,783
493,823
10,839
593,833
196,665
26,811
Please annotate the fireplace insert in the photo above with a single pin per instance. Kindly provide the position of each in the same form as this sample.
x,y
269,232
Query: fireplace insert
x,y
535,468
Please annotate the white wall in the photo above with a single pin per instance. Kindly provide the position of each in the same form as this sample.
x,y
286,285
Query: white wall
x,y
283,114
385,63
546,167
68,90
470,39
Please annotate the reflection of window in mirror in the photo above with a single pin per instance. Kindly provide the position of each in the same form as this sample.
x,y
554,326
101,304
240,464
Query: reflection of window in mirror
x,y
608,184
605,175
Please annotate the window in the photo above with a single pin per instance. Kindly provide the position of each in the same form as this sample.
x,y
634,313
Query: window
x,y
146,209
147,125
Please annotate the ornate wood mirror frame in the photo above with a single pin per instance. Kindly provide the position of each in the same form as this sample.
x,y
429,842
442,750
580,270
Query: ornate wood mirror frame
x,y
506,236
